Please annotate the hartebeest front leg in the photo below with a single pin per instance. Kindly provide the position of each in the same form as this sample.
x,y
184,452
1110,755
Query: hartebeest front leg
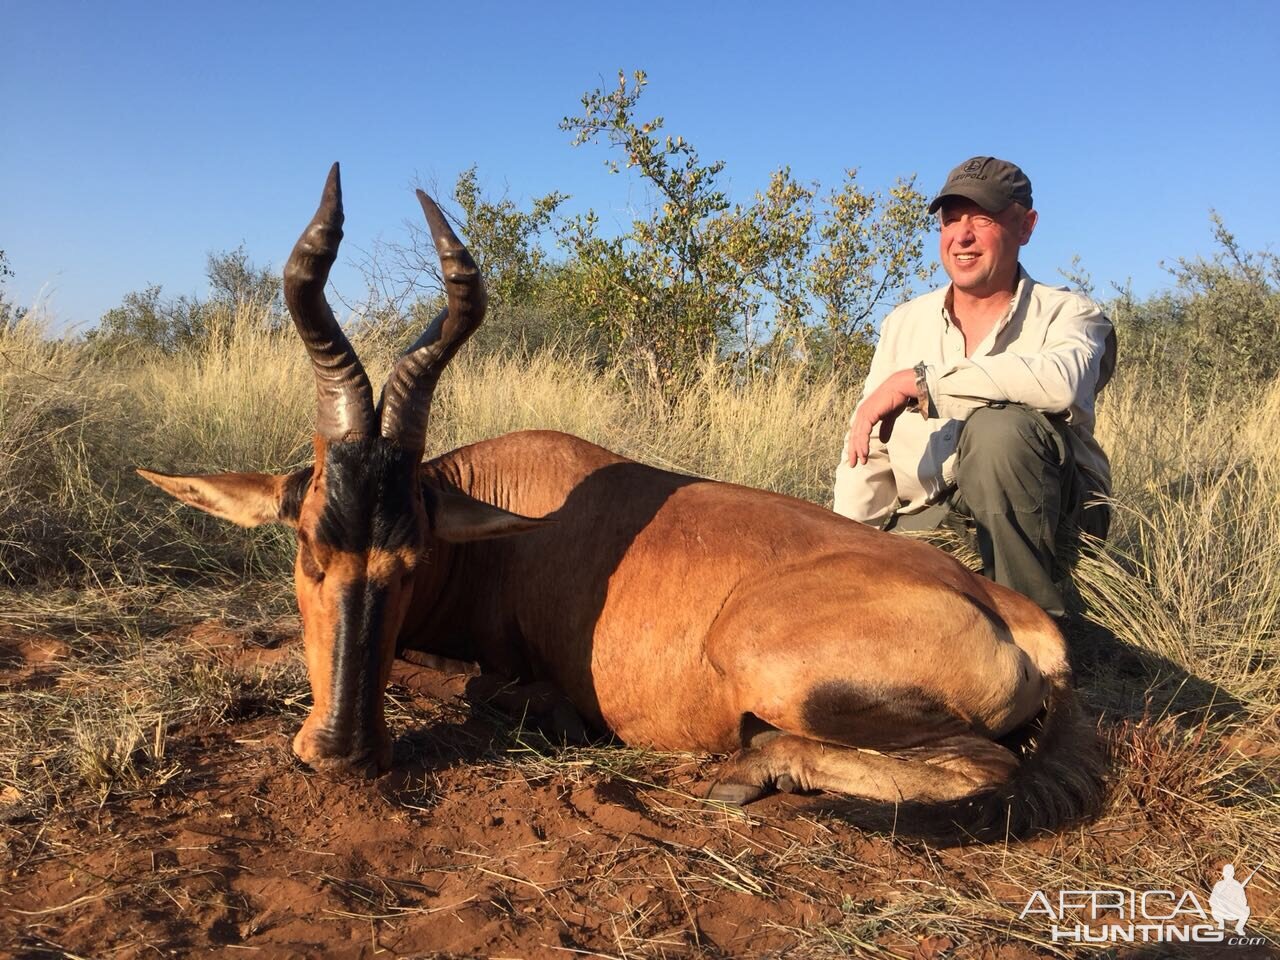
x,y
550,710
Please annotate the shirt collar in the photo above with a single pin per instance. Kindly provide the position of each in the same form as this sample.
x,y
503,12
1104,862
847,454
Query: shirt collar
x,y
1021,290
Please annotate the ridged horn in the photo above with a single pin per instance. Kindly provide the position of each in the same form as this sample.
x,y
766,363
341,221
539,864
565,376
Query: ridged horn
x,y
406,398
344,399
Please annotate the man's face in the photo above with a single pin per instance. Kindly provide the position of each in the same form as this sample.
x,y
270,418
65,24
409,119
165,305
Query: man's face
x,y
979,248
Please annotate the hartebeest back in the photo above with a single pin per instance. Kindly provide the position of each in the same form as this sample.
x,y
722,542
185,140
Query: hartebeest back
x,y
676,612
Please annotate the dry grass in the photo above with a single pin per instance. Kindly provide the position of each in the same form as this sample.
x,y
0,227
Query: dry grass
x,y
123,680
1192,574
71,431
1181,660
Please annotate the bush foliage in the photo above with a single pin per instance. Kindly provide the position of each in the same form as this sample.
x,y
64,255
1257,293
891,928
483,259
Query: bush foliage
x,y
784,275
148,322
795,275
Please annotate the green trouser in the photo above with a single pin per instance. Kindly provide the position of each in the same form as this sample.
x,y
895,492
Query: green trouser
x,y
1018,489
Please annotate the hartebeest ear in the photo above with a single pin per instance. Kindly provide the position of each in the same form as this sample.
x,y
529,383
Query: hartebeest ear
x,y
458,518
249,499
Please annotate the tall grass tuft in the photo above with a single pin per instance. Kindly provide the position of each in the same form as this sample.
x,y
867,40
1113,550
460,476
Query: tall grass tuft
x,y
779,433
57,433
244,400
1192,571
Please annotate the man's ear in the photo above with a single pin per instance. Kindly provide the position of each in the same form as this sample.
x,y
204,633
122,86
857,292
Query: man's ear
x,y
249,499
1028,225
458,518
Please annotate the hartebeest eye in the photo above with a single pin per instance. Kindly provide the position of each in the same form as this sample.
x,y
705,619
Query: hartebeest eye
x,y
309,566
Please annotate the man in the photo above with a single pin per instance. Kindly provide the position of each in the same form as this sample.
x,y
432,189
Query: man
x,y
1001,373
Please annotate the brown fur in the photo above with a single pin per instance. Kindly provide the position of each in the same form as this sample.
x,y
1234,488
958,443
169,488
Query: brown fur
x,y
669,608
685,614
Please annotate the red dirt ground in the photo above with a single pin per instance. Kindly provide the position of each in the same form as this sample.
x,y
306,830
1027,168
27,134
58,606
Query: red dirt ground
x,y
468,849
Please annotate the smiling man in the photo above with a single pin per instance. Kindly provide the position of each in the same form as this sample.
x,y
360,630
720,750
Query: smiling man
x,y
999,375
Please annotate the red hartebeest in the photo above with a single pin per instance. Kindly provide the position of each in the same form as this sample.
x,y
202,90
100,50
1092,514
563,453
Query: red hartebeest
x,y
676,612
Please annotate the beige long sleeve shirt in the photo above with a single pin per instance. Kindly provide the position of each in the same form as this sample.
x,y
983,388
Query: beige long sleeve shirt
x,y
1052,351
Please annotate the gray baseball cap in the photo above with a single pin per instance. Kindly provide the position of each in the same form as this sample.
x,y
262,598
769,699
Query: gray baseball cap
x,y
990,183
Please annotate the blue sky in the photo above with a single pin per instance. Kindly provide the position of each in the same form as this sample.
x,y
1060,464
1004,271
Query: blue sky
x,y
138,137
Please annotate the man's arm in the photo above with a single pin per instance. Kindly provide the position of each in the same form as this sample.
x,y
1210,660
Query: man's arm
x,y
865,489
1063,374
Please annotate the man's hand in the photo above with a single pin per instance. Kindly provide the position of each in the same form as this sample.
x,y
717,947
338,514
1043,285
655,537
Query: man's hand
x,y
882,406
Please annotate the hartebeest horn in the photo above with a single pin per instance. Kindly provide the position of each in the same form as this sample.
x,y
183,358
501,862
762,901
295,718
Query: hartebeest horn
x,y
344,399
406,398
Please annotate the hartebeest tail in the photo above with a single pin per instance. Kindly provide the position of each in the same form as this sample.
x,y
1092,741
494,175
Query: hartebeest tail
x,y
1062,780
676,612
1058,778
1046,771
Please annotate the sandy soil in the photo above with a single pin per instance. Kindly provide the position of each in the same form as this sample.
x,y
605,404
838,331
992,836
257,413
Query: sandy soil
x,y
474,846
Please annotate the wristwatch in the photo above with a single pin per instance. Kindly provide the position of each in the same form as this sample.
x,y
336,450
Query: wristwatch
x,y
923,403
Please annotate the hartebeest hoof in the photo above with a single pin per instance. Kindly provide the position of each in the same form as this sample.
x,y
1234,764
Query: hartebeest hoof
x,y
550,711
565,725
739,794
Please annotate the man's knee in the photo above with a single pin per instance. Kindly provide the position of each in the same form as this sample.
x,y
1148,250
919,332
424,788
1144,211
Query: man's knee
x,y
1000,443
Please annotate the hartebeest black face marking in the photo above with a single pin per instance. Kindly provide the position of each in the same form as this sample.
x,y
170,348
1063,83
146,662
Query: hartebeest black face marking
x,y
361,531
295,488
371,498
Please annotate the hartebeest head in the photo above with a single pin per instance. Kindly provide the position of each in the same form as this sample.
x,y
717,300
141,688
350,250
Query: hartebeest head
x,y
366,520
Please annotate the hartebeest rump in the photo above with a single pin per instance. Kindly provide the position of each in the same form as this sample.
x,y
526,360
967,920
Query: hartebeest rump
x,y
676,612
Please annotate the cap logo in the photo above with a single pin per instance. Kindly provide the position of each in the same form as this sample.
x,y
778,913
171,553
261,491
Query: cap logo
x,y
973,166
